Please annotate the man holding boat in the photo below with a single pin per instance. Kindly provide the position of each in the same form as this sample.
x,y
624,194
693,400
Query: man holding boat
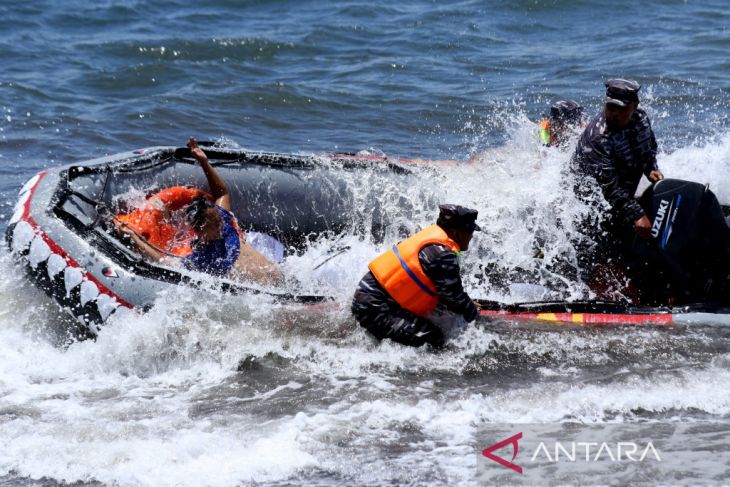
x,y
405,284
616,148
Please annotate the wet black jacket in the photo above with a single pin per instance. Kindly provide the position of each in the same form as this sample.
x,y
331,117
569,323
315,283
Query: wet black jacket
x,y
616,160
441,265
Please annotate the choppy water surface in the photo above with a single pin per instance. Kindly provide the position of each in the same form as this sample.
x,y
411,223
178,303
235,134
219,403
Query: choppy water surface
x,y
214,390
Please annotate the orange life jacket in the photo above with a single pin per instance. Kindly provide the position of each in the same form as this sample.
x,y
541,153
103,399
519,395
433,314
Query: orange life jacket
x,y
400,273
152,219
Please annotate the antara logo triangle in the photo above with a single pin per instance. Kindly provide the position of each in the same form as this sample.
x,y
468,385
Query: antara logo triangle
x,y
512,440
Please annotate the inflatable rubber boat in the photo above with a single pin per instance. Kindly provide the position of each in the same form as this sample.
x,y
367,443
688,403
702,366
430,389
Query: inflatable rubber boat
x,y
62,231
63,236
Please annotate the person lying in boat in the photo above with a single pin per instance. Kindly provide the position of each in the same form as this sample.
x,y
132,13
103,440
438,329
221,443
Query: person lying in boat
x,y
405,284
219,247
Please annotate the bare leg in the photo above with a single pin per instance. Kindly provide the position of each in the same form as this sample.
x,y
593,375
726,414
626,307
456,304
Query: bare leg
x,y
251,266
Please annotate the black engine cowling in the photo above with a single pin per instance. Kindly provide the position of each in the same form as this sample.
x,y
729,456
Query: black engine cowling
x,y
687,257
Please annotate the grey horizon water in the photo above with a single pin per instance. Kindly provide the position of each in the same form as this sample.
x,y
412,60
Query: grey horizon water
x,y
159,399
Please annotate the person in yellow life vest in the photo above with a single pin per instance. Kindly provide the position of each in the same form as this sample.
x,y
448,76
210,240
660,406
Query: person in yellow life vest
x,y
408,281
565,115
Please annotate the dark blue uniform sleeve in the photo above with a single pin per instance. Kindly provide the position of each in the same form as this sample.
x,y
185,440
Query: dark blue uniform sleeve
x,y
596,156
441,265
617,195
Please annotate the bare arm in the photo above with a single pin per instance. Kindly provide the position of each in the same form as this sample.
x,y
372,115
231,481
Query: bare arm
x,y
217,187
141,245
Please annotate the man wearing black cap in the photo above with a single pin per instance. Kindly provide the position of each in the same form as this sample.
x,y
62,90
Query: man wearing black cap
x,y
407,282
615,149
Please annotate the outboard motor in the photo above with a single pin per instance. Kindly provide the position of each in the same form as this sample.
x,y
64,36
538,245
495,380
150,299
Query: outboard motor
x,y
687,257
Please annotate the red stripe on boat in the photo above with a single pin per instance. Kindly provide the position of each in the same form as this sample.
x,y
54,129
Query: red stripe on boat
x,y
587,318
55,248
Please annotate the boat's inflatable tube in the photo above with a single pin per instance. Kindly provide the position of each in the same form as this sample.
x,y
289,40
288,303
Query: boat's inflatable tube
x,y
606,313
62,231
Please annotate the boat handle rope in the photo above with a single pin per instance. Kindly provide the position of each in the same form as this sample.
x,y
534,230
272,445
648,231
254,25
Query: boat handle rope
x,y
339,252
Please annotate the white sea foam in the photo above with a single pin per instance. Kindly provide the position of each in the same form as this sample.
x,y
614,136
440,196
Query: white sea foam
x,y
706,163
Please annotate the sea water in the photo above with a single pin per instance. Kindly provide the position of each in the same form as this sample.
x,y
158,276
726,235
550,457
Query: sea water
x,y
209,389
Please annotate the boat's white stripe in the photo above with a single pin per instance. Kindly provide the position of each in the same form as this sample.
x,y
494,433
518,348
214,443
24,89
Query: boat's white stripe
x,y
17,215
89,291
56,264
23,234
72,277
29,184
20,205
39,251
19,209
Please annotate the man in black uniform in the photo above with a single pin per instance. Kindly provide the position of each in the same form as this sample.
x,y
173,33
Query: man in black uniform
x,y
615,149
429,260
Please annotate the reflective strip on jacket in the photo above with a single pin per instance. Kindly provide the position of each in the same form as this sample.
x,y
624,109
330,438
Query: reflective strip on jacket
x,y
545,133
400,272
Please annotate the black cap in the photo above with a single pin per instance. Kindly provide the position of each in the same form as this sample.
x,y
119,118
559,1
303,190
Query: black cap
x,y
621,92
457,217
566,111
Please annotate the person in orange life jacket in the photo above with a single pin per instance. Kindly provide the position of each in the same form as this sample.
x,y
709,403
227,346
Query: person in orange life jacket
x,y
565,116
220,247
407,282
